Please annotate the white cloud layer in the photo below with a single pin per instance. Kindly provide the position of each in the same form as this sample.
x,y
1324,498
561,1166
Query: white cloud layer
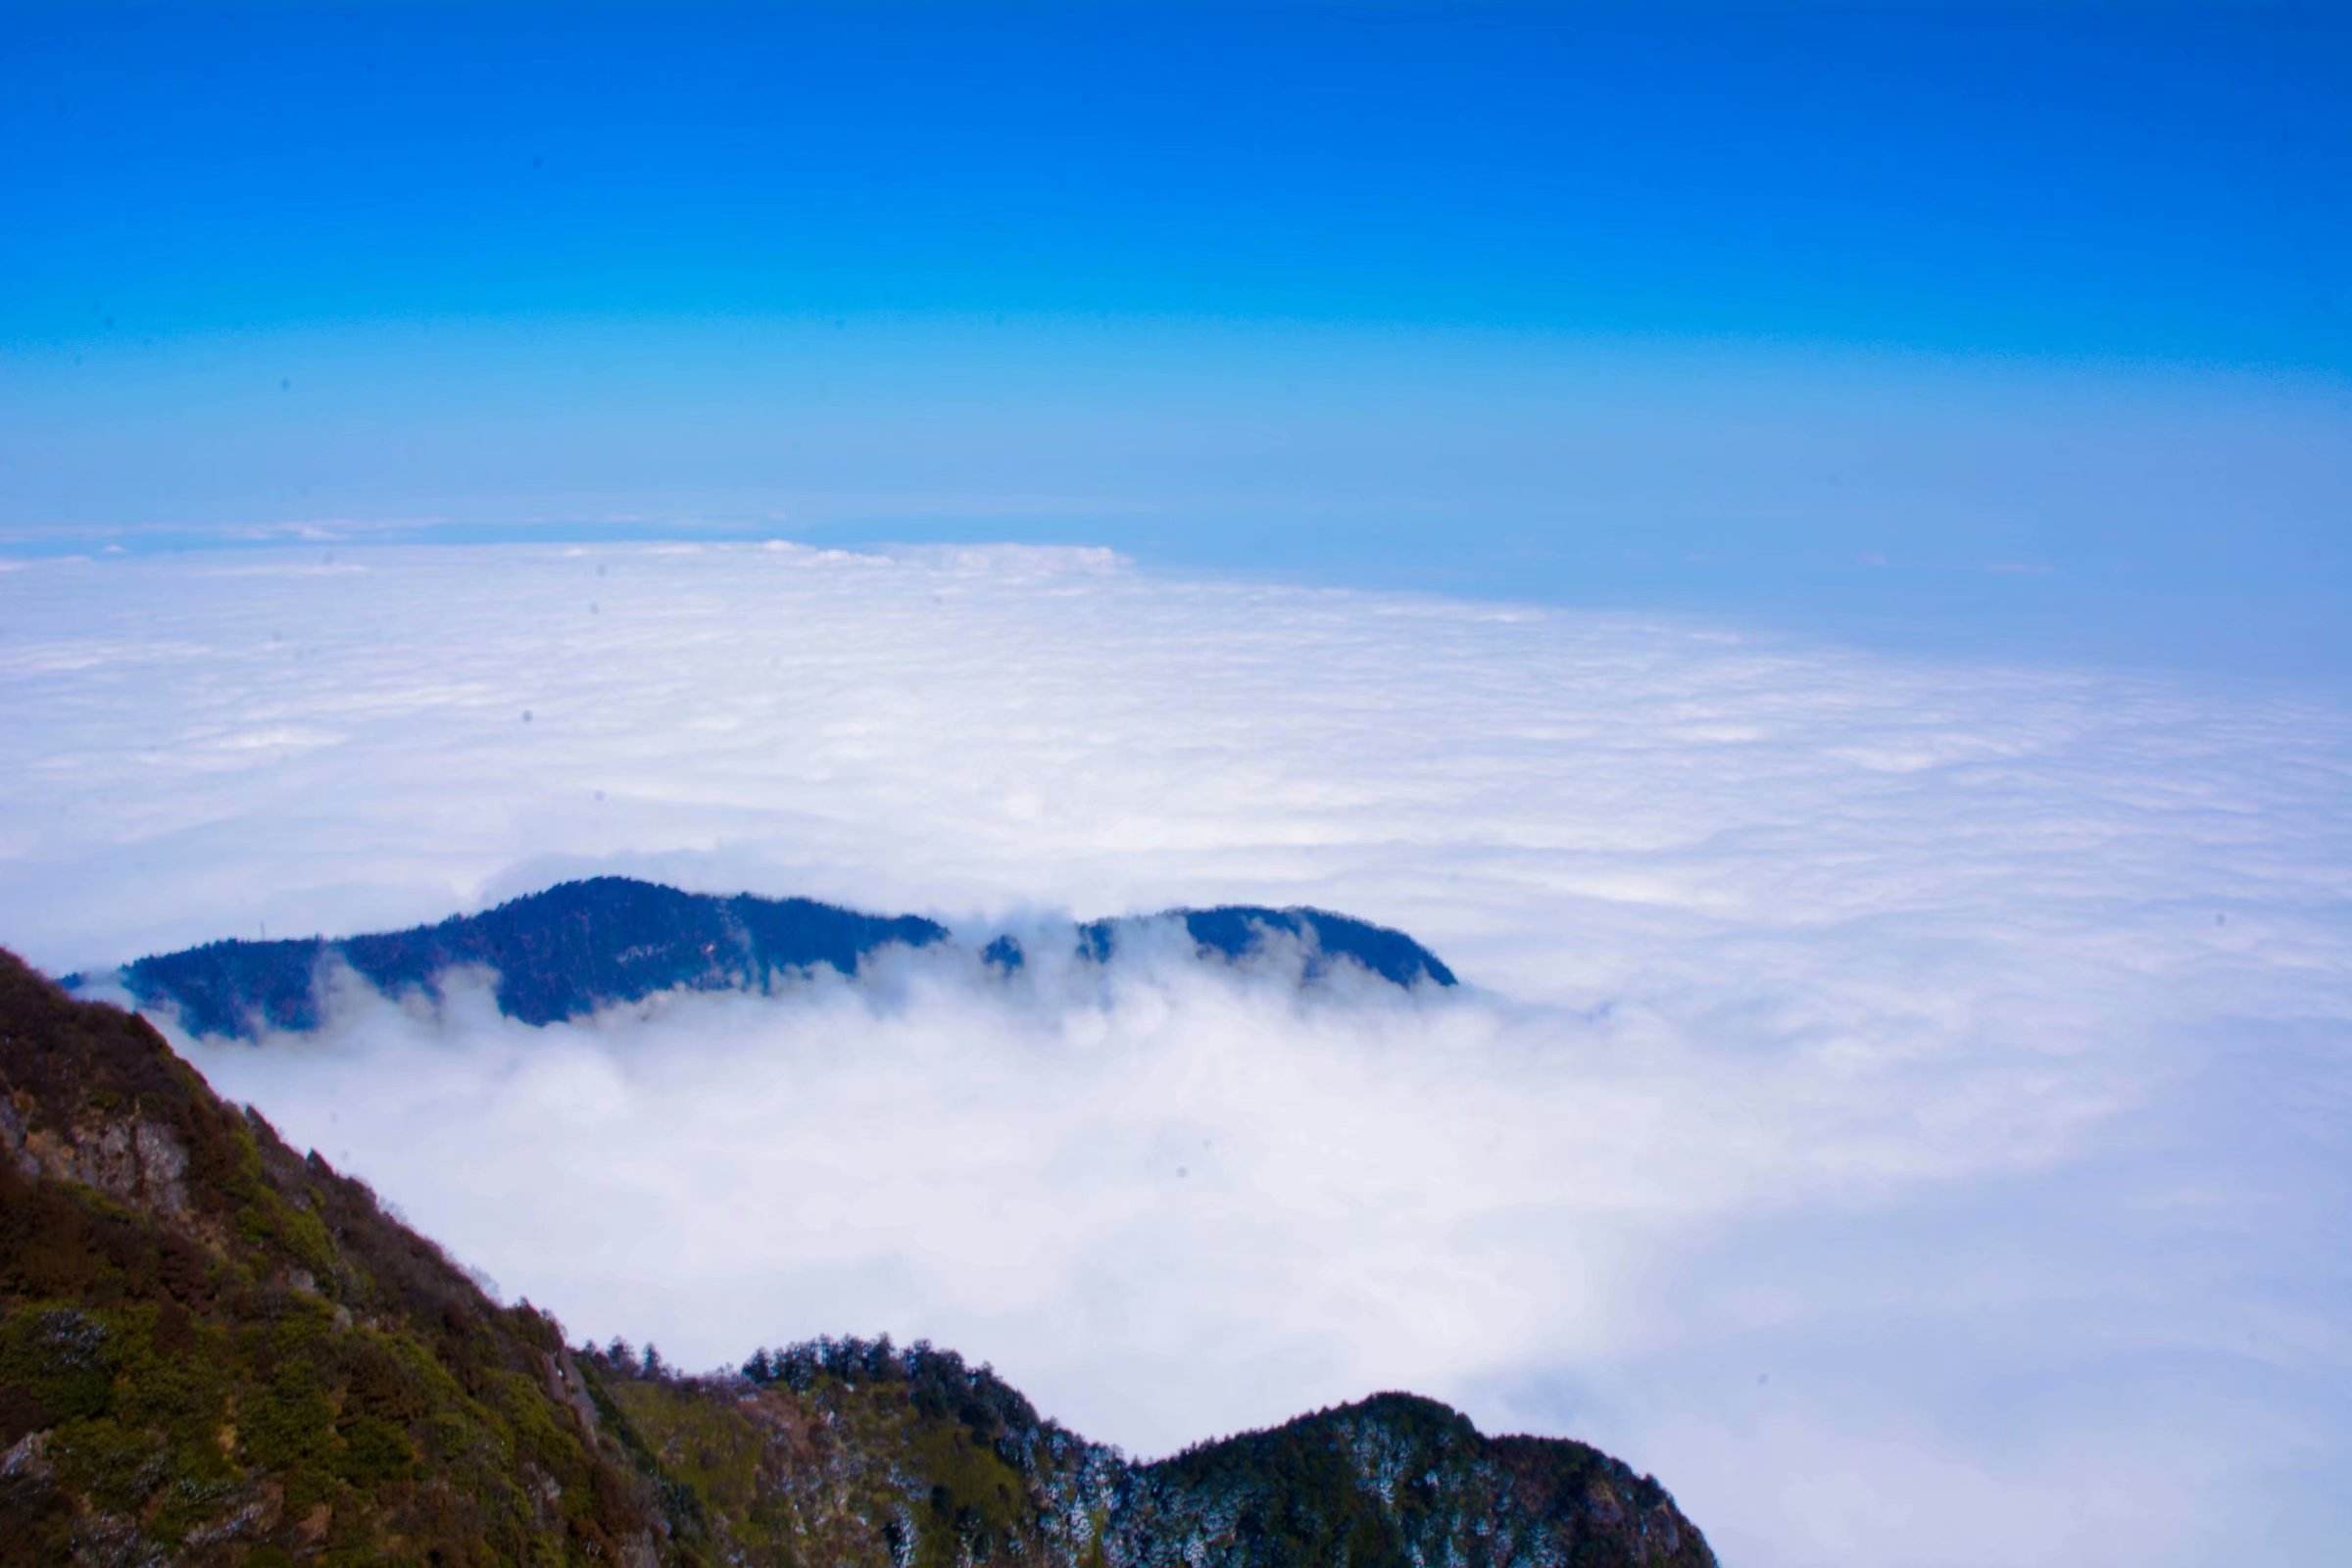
x,y
1902,1105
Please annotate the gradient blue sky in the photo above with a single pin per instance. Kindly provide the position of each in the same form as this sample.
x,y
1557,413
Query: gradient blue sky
x,y
2024,331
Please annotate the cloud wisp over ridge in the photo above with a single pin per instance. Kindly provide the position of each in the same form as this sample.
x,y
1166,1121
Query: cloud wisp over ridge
x,y
570,950
1898,1101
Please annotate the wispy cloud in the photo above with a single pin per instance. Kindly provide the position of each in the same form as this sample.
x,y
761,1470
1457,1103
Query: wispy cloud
x,y
1899,1102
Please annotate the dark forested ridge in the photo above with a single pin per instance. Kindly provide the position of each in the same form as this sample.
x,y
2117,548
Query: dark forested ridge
x,y
1233,930
213,1350
579,946
558,954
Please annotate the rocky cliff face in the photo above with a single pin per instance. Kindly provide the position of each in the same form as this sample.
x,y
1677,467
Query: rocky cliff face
x,y
213,1350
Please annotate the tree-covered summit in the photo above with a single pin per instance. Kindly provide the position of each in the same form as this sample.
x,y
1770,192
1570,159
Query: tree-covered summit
x,y
558,954
576,947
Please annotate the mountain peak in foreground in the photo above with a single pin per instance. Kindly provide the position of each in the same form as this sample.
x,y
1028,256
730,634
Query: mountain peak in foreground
x,y
213,1350
570,949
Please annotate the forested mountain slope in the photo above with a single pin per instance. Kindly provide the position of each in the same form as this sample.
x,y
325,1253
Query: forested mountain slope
x,y
216,1350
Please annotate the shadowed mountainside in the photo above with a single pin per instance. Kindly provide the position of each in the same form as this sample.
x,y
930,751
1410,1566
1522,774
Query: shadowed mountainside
x,y
579,946
215,1351
1234,930
559,953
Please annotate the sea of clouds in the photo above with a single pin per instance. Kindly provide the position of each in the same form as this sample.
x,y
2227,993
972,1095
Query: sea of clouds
x,y
1907,1105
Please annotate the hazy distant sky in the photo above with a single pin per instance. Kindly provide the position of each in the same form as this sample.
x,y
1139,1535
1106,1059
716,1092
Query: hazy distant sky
x,y
2024,332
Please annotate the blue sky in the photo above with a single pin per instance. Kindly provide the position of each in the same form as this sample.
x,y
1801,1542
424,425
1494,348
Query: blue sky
x,y
2024,330
1959,1046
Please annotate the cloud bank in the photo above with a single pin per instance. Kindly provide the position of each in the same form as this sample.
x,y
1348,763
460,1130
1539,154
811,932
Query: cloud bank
x,y
1900,1104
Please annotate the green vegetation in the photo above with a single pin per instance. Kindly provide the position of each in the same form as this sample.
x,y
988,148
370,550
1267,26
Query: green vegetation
x,y
250,1361
215,1351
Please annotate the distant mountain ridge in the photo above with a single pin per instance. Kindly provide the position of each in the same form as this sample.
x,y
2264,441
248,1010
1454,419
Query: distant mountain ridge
x,y
579,946
558,954
215,1351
